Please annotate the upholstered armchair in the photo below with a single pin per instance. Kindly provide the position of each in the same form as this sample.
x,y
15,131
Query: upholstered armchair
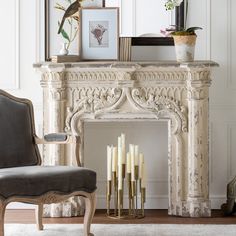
x,y
23,179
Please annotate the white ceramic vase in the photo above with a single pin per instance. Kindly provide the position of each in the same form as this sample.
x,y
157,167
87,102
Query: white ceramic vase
x,y
64,51
185,47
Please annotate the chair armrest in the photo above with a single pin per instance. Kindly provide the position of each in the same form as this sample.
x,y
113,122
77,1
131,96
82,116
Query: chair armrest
x,y
57,138
63,138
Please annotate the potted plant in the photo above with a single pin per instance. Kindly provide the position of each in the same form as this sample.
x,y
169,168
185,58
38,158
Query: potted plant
x,y
184,38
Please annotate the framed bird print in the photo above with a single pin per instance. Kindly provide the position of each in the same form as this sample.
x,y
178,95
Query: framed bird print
x,y
62,25
99,33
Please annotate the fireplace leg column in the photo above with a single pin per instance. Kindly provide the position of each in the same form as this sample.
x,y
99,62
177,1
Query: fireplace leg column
x,y
198,201
54,121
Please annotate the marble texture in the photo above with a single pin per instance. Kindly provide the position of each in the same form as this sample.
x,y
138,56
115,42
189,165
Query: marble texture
x,y
178,92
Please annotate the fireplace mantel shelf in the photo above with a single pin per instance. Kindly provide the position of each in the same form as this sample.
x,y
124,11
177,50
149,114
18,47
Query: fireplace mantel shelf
x,y
115,64
178,92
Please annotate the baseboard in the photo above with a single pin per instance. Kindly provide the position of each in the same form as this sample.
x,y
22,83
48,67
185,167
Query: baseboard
x,y
153,202
161,201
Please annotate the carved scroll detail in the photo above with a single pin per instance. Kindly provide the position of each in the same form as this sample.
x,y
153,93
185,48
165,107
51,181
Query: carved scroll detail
x,y
151,100
93,101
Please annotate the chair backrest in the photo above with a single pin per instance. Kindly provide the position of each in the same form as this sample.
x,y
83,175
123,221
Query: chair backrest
x,y
17,146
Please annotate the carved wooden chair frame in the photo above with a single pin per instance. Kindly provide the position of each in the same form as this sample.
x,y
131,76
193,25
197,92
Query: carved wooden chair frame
x,y
49,197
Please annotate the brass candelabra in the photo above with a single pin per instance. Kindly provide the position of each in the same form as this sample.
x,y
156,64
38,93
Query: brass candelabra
x,y
135,189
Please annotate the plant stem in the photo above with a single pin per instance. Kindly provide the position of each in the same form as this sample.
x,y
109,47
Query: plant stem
x,y
71,28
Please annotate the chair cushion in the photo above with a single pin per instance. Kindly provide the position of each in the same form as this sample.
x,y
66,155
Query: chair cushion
x,y
37,180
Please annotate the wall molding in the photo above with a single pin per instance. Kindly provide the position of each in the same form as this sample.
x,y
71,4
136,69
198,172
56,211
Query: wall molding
x,y
15,84
161,201
39,30
134,17
216,201
17,44
208,29
210,151
229,66
230,173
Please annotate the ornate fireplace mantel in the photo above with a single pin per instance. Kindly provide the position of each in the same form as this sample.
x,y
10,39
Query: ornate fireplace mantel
x,y
76,92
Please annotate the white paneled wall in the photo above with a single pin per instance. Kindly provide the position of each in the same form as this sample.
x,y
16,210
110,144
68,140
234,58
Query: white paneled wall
x,y
23,45
9,47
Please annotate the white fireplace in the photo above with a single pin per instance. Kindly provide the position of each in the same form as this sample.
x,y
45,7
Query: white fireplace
x,y
114,91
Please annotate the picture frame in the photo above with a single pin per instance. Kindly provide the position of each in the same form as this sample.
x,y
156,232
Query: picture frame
x,y
52,39
99,33
178,16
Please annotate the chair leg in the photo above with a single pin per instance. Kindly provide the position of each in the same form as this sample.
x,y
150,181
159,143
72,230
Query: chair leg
x,y
90,207
39,216
2,214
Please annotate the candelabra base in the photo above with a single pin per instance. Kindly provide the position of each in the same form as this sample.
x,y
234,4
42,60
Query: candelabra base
x,y
139,214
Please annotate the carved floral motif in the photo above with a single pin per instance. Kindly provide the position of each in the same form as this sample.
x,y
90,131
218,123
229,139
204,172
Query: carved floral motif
x,y
151,100
92,100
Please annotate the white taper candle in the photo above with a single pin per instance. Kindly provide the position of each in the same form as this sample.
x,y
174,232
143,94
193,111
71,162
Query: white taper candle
x,y
114,159
123,147
132,162
119,164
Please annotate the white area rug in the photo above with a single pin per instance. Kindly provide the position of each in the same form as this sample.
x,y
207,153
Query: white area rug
x,y
121,230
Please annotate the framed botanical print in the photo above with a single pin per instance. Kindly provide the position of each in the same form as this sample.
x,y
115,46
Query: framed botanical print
x,y
54,11
99,33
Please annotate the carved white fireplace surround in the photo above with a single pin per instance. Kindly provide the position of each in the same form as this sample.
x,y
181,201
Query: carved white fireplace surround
x,y
75,92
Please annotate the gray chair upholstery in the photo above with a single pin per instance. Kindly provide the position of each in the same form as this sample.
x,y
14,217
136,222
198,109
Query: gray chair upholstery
x,y
16,134
21,176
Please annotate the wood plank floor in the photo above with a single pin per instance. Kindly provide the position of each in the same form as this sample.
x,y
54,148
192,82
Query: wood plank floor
x,y
152,217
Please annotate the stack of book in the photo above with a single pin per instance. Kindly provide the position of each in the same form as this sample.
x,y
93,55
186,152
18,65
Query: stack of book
x,y
65,58
125,48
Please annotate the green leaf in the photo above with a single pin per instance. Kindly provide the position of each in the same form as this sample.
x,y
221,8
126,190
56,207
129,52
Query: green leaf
x,y
63,33
192,29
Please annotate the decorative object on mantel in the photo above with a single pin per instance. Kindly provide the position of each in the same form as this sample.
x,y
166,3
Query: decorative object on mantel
x,y
74,93
184,38
64,51
99,33
185,41
66,58
229,208
69,31
118,163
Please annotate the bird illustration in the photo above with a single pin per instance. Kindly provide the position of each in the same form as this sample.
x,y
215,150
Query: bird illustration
x,y
70,11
